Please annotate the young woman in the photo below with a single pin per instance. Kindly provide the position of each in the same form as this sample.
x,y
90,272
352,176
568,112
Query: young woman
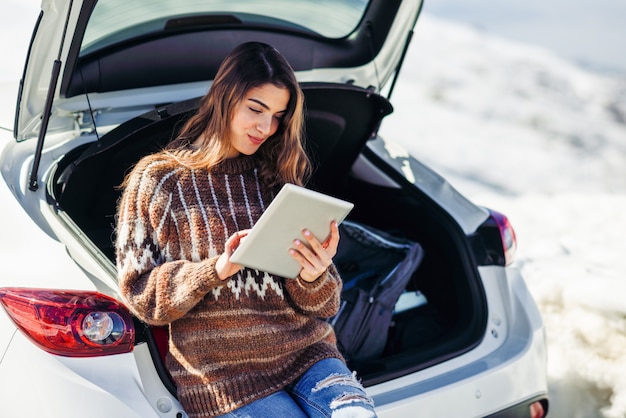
x,y
243,343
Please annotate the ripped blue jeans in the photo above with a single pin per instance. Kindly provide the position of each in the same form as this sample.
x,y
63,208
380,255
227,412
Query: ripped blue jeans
x,y
327,390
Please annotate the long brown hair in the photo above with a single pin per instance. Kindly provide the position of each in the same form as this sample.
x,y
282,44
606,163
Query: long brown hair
x,y
249,65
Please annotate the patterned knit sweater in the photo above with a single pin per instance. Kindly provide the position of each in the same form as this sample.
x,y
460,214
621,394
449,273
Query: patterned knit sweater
x,y
232,341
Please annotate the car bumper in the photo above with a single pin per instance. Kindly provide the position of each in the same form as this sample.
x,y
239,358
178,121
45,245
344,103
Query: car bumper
x,y
500,377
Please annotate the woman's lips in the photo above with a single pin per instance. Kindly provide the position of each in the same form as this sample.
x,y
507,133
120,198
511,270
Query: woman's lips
x,y
255,140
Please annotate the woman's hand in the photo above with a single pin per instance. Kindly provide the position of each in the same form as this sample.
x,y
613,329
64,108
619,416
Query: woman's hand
x,y
223,266
316,256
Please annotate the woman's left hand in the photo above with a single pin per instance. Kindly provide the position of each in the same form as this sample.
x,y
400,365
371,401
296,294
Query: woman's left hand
x,y
316,256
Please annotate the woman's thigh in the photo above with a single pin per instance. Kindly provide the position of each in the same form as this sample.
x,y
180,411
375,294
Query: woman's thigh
x,y
278,404
329,389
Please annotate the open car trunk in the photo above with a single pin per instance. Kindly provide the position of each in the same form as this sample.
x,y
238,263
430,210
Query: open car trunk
x,y
340,120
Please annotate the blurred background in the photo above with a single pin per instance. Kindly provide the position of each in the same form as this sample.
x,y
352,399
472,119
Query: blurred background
x,y
590,33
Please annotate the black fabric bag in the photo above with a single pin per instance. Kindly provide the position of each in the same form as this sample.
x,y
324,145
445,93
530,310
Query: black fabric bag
x,y
375,268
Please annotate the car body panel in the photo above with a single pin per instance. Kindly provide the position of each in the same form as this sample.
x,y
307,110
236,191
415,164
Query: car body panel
x,y
110,386
49,262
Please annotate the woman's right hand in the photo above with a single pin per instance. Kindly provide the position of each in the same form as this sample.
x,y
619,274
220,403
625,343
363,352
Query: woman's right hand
x,y
223,266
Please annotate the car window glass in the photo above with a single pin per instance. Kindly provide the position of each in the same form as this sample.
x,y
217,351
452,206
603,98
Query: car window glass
x,y
114,21
21,86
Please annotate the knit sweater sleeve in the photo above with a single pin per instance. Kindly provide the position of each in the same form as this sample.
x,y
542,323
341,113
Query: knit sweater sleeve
x,y
156,291
320,298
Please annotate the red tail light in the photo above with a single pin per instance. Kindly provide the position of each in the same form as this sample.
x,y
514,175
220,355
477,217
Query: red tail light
x,y
495,242
507,234
71,323
537,410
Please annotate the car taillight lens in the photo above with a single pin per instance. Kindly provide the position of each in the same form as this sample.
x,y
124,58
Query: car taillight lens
x,y
71,323
507,235
494,243
537,410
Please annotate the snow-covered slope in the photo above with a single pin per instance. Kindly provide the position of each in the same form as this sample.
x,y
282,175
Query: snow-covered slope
x,y
492,101
517,129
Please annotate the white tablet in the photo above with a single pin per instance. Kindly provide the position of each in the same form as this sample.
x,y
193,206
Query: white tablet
x,y
266,248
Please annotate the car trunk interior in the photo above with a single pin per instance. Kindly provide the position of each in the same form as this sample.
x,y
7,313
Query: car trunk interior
x,y
340,119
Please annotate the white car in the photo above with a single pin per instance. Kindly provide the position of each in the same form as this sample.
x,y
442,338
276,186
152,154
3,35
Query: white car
x,y
109,81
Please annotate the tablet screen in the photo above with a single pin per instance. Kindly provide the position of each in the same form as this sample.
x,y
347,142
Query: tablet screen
x,y
266,248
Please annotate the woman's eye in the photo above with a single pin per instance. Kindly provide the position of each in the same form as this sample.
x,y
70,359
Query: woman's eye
x,y
255,110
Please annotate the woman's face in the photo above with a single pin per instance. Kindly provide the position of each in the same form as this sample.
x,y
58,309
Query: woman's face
x,y
256,118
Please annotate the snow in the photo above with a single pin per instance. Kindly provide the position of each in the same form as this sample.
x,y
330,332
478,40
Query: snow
x,y
518,129
589,32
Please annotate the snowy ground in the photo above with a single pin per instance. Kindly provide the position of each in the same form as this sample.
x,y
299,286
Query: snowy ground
x,y
519,130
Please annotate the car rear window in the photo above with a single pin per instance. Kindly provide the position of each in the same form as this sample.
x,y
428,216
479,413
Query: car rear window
x,y
114,21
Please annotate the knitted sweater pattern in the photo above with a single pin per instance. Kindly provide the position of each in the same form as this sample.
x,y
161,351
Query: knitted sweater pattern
x,y
233,341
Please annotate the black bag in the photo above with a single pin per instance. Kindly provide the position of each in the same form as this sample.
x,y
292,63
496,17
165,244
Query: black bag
x,y
375,268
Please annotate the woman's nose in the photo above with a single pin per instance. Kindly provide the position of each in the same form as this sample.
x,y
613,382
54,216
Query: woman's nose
x,y
264,125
